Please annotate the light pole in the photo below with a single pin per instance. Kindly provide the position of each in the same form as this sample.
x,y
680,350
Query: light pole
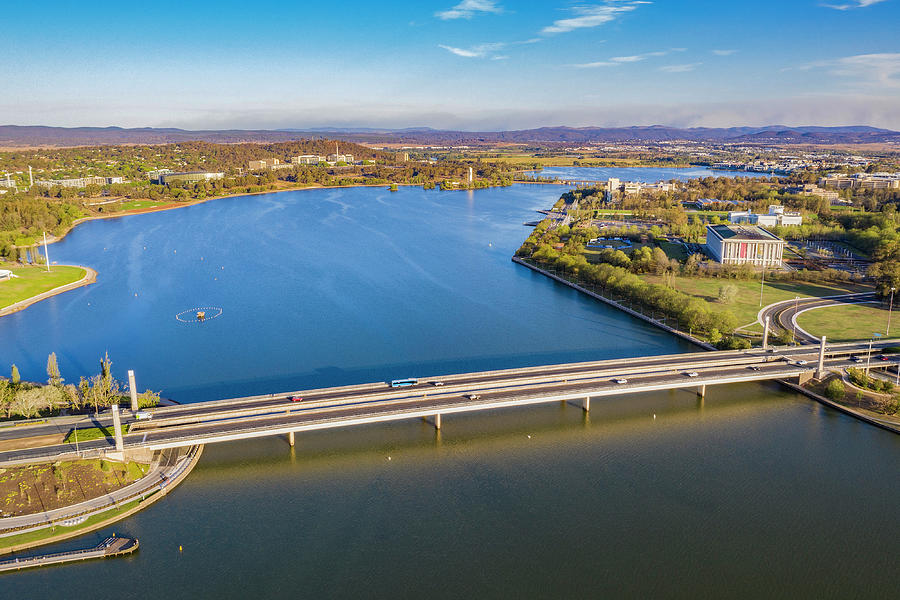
x,y
794,318
890,310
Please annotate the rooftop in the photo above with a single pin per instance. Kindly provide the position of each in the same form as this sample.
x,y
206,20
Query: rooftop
x,y
743,232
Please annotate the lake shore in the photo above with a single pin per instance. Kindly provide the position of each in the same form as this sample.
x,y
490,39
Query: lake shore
x,y
90,276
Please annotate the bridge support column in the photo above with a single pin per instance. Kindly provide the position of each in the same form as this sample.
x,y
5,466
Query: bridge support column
x,y
117,428
291,439
820,372
766,334
437,421
132,390
701,391
587,404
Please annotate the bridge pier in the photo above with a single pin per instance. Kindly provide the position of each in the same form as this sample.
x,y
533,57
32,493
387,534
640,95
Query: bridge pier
x,y
132,390
587,404
766,334
437,421
820,372
701,391
291,439
117,428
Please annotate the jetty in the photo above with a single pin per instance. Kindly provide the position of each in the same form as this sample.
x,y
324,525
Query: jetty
x,y
112,546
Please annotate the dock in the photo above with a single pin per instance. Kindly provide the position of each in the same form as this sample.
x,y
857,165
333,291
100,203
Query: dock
x,y
113,546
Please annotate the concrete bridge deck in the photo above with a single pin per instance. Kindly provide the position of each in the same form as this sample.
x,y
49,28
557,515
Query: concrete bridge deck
x,y
276,414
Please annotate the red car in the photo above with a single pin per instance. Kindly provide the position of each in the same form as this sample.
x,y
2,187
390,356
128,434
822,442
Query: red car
x,y
296,399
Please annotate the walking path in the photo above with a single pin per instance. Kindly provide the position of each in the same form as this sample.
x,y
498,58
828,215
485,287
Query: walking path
x,y
112,546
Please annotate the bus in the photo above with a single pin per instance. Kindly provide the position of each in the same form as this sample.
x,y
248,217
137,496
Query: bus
x,y
404,382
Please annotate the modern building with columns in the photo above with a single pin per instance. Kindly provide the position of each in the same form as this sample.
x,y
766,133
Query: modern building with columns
x,y
744,244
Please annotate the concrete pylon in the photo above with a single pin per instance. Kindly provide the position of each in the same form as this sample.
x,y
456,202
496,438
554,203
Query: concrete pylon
x,y
437,421
766,334
117,428
701,391
132,389
820,373
291,438
587,404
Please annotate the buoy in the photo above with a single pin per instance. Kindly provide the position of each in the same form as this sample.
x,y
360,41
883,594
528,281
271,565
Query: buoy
x,y
654,416
180,548
135,294
389,458
529,437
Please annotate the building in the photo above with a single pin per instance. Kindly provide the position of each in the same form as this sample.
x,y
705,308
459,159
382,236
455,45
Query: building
x,y
811,189
744,244
266,163
79,182
775,217
336,158
307,159
187,176
870,181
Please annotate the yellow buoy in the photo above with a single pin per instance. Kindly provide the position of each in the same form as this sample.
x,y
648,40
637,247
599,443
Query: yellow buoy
x,y
179,548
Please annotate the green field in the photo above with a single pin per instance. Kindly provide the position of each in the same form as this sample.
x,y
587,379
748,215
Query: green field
x,y
746,305
34,280
136,204
92,433
847,323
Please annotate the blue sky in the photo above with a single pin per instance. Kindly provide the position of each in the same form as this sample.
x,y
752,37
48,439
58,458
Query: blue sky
x,y
466,64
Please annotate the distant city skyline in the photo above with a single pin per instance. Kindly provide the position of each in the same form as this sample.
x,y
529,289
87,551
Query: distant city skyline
x,y
452,64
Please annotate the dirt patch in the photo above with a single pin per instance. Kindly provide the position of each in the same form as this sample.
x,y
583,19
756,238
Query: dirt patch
x,y
31,489
36,441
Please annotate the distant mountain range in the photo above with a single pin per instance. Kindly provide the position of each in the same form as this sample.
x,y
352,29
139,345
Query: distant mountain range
x,y
24,136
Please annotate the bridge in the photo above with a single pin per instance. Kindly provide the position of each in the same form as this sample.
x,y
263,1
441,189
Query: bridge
x,y
436,397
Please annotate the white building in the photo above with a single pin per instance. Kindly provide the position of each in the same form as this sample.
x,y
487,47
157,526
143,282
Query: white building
x,y
775,217
307,159
79,182
744,244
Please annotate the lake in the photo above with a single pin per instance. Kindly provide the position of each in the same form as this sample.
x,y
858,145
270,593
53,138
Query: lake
x,y
752,491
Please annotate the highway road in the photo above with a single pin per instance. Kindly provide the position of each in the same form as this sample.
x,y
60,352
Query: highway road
x,y
781,314
258,416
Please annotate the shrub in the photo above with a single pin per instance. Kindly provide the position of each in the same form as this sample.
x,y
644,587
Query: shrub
x,y
835,389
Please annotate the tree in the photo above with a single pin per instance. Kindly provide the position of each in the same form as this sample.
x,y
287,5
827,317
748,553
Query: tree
x,y
727,293
6,397
53,371
835,389
14,376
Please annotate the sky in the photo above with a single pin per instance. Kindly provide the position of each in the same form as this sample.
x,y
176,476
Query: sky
x,y
454,64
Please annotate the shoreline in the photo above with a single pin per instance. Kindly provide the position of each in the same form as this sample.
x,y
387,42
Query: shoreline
x,y
170,484
90,276
797,388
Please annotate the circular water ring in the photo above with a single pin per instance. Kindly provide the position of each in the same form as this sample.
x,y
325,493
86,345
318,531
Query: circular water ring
x,y
199,314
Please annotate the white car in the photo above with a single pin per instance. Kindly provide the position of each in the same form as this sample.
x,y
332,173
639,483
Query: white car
x,y
143,415
693,374
621,381
437,383
800,363
473,396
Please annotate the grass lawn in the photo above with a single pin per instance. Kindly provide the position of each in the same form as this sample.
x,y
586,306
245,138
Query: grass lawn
x,y
746,305
847,323
48,532
33,280
676,251
92,433
135,204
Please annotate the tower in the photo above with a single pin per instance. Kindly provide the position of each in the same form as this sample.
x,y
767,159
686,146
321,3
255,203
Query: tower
x,y
30,177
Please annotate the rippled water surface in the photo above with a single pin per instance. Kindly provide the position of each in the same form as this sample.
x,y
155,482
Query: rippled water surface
x,y
753,492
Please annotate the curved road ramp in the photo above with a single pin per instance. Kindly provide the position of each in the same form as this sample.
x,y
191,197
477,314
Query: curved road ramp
x,y
113,546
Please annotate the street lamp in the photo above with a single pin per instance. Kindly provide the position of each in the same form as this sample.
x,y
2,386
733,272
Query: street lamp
x,y
890,309
794,318
762,283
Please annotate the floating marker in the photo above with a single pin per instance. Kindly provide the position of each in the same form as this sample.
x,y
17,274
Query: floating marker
x,y
180,548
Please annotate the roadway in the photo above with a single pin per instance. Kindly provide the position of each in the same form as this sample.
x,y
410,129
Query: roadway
x,y
782,314
243,418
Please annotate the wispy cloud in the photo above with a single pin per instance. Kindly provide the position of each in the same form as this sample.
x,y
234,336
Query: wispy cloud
x,y
723,52
855,4
680,68
593,15
487,50
469,8
875,70
616,61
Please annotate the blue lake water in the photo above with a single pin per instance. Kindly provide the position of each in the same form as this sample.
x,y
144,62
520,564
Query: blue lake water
x,y
643,175
752,492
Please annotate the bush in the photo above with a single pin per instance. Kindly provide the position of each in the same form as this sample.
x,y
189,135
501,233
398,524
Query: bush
x,y
733,342
835,389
